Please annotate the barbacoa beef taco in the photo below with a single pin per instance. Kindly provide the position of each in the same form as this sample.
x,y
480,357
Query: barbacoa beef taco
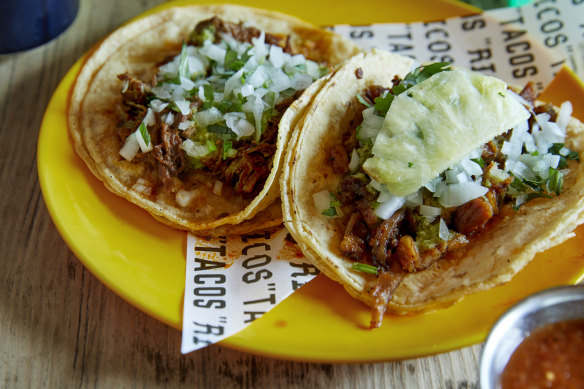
x,y
431,184
179,111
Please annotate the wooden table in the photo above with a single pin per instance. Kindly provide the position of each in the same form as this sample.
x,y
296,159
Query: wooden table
x,y
60,327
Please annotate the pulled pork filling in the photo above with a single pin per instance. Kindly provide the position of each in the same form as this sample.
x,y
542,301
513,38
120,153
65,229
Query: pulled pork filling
x,y
215,108
422,231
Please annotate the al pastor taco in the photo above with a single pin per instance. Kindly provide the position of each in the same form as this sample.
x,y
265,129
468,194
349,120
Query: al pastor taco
x,y
433,183
179,112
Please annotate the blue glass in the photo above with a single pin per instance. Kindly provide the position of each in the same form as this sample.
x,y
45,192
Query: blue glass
x,y
25,24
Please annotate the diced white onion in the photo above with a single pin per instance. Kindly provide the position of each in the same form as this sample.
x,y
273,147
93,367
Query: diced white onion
x,y
169,118
130,147
158,105
280,80
322,200
443,232
184,106
194,149
564,115
196,66
142,186
185,125
471,168
414,199
277,57
260,49
312,69
218,187
457,194
301,81
208,116
430,212
215,52
247,90
258,77
232,83
388,208
237,123
354,162
184,197
186,83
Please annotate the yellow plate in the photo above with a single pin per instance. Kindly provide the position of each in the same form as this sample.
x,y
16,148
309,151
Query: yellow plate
x,y
143,261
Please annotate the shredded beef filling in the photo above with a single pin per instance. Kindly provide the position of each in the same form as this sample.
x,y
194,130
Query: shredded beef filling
x,y
391,245
246,172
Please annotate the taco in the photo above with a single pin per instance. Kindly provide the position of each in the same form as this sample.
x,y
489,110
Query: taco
x,y
179,112
433,182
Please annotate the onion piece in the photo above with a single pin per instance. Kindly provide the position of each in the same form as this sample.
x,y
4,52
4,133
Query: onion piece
x,y
387,209
443,232
355,161
457,194
130,147
218,187
184,197
184,106
429,211
322,200
564,115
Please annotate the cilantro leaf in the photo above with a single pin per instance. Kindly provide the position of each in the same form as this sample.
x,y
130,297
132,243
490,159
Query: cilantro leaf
x,y
363,101
330,212
382,103
183,63
365,268
144,133
556,181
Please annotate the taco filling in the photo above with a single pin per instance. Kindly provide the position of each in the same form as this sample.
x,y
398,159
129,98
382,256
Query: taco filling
x,y
399,231
213,110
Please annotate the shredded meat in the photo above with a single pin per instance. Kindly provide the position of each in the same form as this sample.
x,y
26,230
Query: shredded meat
x,y
472,216
382,290
248,170
407,254
386,238
354,243
134,102
529,93
338,159
373,92
249,167
169,156
368,213
353,188
238,31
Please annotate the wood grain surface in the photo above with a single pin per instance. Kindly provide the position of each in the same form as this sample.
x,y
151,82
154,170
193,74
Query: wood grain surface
x,y
61,328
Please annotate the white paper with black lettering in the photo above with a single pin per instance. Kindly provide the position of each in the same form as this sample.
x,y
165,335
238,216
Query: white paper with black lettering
x,y
518,45
232,281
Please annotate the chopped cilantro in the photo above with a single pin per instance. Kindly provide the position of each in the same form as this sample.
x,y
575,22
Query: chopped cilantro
x,y
363,101
568,154
330,211
365,268
227,149
144,133
183,64
218,129
382,103
556,181
479,161
211,146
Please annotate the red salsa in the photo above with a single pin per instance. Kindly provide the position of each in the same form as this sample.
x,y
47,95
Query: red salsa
x,y
551,357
